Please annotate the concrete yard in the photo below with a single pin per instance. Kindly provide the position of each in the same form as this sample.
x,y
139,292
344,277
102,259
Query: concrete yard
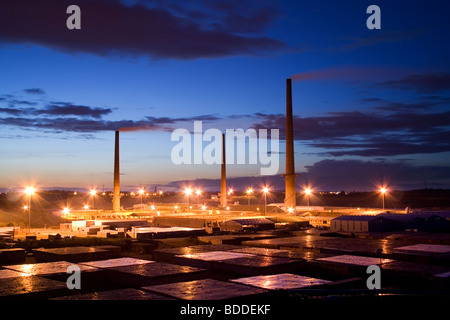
x,y
207,289
304,265
30,287
147,274
283,281
76,254
119,294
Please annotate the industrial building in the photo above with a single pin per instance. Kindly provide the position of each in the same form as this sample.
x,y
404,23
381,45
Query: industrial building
x,y
426,221
247,225
362,223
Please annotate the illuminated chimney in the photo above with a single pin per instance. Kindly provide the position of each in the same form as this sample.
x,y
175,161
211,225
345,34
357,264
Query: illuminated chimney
x,y
290,193
116,193
223,183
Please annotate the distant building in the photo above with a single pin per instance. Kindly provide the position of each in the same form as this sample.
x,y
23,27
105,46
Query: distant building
x,y
363,223
246,225
433,221
103,227
320,221
429,221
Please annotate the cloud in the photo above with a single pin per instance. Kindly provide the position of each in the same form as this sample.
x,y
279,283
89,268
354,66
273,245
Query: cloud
x,y
388,129
388,145
34,91
165,123
422,83
405,107
70,124
155,30
352,123
12,111
15,107
357,174
349,73
336,175
392,36
77,110
60,116
389,133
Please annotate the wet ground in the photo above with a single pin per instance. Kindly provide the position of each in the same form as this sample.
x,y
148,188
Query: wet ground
x,y
302,266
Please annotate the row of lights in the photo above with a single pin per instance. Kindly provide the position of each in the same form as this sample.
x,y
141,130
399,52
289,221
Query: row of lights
x,y
188,191
249,191
141,192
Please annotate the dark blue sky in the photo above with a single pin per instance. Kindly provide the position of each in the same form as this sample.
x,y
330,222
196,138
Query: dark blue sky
x,y
369,105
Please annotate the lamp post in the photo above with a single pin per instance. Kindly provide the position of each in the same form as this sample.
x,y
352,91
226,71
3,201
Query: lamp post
x,y
188,192
383,192
141,193
93,192
198,193
249,192
308,193
29,191
265,190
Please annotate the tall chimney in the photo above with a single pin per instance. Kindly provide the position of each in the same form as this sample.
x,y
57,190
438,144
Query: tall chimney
x,y
223,183
116,193
290,193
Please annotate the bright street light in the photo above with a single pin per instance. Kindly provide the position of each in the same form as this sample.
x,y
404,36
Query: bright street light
x,y
188,192
383,191
249,192
93,192
265,190
198,193
308,194
141,193
29,191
